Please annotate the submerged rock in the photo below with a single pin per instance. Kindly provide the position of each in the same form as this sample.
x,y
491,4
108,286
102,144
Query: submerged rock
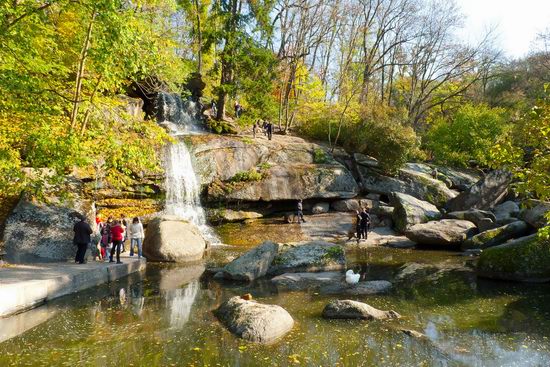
x,y
171,239
414,273
359,289
485,194
253,321
445,232
251,265
348,309
496,236
305,281
229,215
525,259
409,211
312,256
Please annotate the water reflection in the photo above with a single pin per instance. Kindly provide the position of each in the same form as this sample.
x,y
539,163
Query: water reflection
x,y
179,302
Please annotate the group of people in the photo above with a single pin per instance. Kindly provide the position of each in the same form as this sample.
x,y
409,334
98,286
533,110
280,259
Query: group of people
x,y
265,125
113,236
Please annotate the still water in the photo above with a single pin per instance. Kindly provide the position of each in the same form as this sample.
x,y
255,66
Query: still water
x,y
163,317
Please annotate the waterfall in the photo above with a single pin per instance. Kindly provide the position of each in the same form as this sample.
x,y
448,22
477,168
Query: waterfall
x,y
182,184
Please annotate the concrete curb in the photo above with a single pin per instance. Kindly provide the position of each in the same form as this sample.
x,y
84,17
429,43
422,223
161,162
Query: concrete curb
x,y
27,286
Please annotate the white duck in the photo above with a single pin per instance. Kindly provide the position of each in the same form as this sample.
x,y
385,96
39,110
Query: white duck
x,y
352,278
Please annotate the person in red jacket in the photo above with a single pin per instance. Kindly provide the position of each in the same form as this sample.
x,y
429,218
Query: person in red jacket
x,y
117,234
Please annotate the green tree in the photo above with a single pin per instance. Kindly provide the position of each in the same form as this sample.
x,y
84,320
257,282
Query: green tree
x,y
466,135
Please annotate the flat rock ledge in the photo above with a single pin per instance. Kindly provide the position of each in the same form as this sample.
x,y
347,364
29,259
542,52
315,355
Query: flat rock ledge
x,y
348,309
253,321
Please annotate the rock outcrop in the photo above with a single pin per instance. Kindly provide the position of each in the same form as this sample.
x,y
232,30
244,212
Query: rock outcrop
x,y
172,239
445,232
485,194
253,321
525,259
348,309
291,168
44,230
251,265
409,211
350,205
410,180
496,236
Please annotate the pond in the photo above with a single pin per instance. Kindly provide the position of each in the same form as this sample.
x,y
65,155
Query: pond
x,y
163,317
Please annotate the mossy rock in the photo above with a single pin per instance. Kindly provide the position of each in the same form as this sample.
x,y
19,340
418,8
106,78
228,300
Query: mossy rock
x,y
526,259
496,236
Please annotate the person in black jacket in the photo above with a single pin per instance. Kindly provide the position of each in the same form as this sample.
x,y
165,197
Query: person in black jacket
x,y
82,232
365,222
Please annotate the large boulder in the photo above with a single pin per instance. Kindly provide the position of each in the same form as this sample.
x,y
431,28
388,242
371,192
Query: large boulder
x,y
230,215
38,230
320,208
409,181
536,214
171,239
496,236
290,167
409,211
506,212
251,265
253,321
350,205
461,179
525,259
348,309
312,256
485,194
445,232
476,216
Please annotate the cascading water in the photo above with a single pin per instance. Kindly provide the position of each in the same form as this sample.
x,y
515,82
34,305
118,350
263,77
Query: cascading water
x,y
182,185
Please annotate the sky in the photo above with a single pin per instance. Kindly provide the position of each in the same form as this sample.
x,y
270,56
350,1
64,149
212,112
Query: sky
x,y
517,22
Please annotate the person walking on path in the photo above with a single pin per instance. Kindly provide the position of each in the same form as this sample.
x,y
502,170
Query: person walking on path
x,y
136,236
82,239
269,130
124,224
106,239
365,222
255,128
300,211
117,234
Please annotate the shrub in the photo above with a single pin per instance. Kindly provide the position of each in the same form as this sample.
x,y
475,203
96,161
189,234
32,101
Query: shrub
x,y
467,135
320,156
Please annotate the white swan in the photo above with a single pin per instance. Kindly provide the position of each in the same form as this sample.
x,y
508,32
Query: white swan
x,y
352,278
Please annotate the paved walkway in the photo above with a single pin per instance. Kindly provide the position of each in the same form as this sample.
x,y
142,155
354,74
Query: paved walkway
x,y
25,286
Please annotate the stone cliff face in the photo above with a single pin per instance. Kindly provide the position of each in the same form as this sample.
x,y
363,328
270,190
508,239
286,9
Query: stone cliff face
x,y
234,168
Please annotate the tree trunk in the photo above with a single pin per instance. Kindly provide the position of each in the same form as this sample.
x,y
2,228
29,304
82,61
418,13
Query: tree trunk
x,y
199,37
80,72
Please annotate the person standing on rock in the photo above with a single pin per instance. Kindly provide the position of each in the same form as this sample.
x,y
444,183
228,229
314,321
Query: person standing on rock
x,y
365,222
300,211
136,236
82,239
255,128
117,233
358,227
269,130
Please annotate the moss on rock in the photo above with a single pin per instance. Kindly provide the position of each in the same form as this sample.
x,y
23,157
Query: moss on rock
x,y
526,259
